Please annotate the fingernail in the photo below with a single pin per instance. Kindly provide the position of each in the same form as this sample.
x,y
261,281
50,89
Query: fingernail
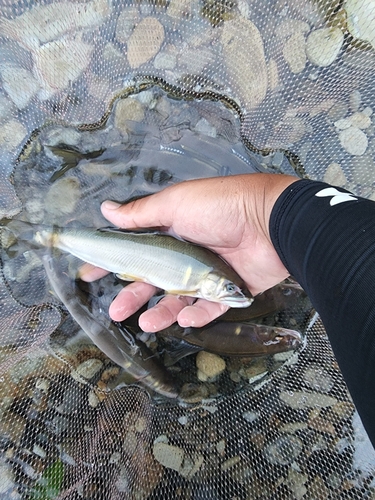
x,y
111,205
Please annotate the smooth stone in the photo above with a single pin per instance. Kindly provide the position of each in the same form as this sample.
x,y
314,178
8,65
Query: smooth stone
x,y
19,84
204,127
63,196
335,175
361,19
284,450
272,74
353,140
294,53
166,59
7,480
168,455
360,120
126,23
247,70
128,109
70,57
323,46
196,60
12,134
89,368
355,100
210,364
145,41
296,483
317,378
44,23
299,400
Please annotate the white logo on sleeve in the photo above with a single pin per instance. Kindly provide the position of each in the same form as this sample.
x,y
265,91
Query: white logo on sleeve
x,y
337,197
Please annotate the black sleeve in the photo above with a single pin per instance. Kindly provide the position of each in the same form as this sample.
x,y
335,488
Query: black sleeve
x,y
326,239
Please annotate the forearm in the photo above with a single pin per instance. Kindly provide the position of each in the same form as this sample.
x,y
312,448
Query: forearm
x,y
330,250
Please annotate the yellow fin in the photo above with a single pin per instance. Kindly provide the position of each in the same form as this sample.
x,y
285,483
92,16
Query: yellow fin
x,y
129,277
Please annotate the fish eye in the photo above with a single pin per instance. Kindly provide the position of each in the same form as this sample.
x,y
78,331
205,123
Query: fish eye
x,y
230,288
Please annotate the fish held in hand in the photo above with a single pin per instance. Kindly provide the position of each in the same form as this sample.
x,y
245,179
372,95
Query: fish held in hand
x,y
174,265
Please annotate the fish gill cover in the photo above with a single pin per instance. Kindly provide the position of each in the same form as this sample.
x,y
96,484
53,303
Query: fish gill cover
x,y
117,99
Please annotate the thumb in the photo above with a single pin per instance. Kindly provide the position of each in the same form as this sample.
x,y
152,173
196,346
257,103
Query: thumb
x,y
151,211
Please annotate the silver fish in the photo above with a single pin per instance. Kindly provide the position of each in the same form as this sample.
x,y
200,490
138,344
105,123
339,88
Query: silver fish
x,y
117,343
174,265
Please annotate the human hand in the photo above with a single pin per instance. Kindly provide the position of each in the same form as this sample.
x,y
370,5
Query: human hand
x,y
229,215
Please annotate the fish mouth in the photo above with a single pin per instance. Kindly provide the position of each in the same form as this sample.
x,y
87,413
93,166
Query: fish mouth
x,y
240,301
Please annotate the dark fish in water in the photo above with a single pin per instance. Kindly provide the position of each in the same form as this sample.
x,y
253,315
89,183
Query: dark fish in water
x,y
174,265
232,339
280,297
116,342
71,157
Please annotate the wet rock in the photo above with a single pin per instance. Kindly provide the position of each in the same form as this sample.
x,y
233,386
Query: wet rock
x,y
296,483
191,466
294,53
196,60
230,462
317,490
93,399
45,23
128,109
126,23
355,100
335,175
210,365
205,128
63,196
360,120
272,74
145,41
353,140
70,57
169,456
12,134
284,450
87,370
299,400
360,19
19,84
323,46
247,70
166,59
317,378
7,480
194,393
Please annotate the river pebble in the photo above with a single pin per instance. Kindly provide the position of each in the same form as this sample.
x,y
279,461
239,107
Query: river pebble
x,y
88,369
63,196
247,71
294,53
168,455
296,483
284,450
145,41
361,19
71,56
128,109
323,46
7,480
335,175
303,399
19,84
12,134
353,140
209,365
